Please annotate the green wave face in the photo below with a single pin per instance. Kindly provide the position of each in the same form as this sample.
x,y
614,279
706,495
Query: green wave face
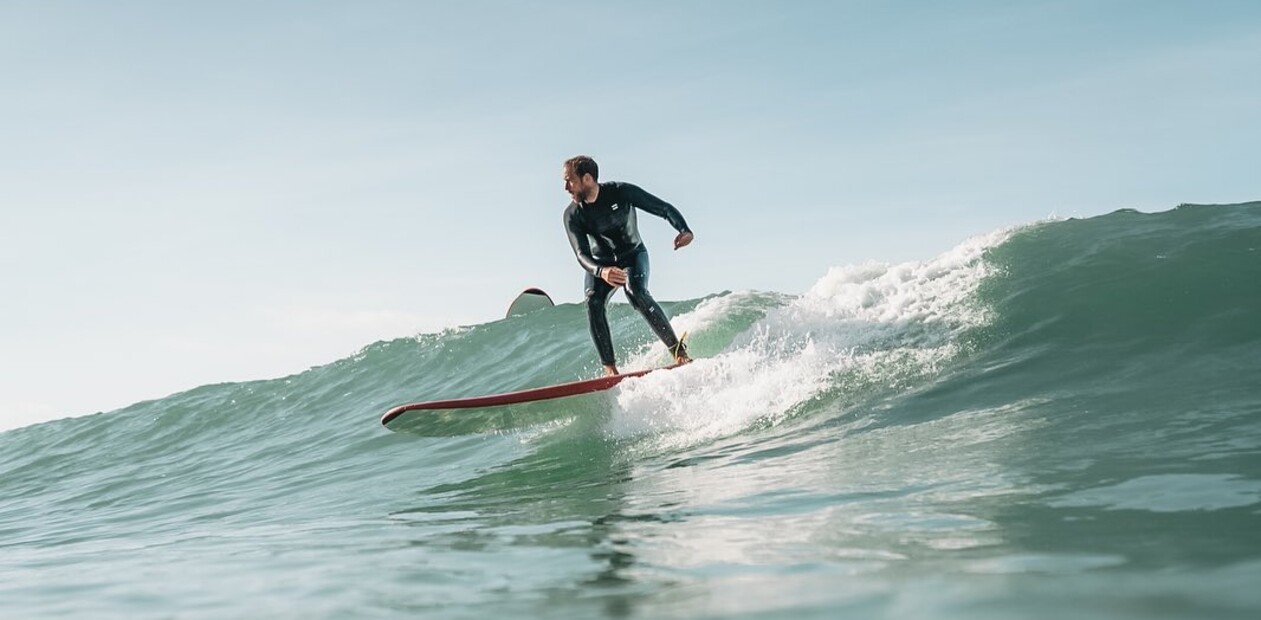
x,y
1058,419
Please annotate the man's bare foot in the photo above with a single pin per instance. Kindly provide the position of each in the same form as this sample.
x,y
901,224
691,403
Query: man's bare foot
x,y
679,351
610,370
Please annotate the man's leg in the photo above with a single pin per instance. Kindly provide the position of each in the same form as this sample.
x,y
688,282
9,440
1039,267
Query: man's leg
x,y
639,297
598,292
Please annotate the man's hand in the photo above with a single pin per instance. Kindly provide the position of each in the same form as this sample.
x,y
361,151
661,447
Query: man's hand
x,y
615,276
683,239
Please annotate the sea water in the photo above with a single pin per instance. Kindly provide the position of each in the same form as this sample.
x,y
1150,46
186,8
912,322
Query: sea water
x,y
1058,420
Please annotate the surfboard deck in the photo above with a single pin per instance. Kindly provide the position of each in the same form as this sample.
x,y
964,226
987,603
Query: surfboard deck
x,y
550,392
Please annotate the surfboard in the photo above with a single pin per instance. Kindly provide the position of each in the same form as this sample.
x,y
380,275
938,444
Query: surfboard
x,y
529,300
489,413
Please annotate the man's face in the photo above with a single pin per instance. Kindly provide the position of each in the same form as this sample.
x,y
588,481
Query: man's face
x,y
578,187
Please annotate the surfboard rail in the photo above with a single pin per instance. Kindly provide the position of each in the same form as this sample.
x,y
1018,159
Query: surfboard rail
x,y
572,388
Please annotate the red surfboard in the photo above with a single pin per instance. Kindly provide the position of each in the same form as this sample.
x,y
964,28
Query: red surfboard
x,y
551,392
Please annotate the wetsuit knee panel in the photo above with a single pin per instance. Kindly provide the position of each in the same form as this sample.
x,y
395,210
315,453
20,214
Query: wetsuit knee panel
x,y
637,289
597,292
637,277
595,300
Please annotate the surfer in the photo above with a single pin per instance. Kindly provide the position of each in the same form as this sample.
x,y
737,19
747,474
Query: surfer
x,y
603,232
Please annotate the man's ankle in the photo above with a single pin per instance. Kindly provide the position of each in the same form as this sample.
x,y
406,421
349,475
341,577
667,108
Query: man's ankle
x,y
680,354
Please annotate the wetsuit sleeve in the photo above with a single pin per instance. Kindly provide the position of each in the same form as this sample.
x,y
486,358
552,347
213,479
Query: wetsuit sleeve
x,y
656,206
581,243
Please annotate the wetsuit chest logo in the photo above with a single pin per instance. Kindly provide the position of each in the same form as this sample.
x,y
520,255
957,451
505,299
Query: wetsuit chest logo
x,y
614,207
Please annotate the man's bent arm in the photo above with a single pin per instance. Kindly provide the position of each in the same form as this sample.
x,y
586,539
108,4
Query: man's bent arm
x,y
582,249
656,206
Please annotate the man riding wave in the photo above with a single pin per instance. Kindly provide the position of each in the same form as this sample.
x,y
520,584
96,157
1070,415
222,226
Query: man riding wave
x,y
604,234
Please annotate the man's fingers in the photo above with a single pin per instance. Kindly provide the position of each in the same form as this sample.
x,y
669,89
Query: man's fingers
x,y
615,276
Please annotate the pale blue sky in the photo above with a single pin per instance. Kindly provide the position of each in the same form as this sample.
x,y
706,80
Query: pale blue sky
x,y
197,192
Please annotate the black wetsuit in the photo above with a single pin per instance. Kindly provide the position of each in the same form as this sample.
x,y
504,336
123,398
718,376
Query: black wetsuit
x,y
604,233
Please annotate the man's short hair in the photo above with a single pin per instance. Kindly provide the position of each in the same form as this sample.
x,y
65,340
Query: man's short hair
x,y
582,165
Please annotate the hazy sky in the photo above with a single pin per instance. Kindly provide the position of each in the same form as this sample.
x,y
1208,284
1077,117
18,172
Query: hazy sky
x,y
200,192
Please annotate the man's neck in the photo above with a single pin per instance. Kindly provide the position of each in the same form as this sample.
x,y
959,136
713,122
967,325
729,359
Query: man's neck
x,y
595,194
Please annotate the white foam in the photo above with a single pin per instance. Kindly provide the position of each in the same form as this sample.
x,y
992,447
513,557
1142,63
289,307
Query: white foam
x,y
856,319
704,315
